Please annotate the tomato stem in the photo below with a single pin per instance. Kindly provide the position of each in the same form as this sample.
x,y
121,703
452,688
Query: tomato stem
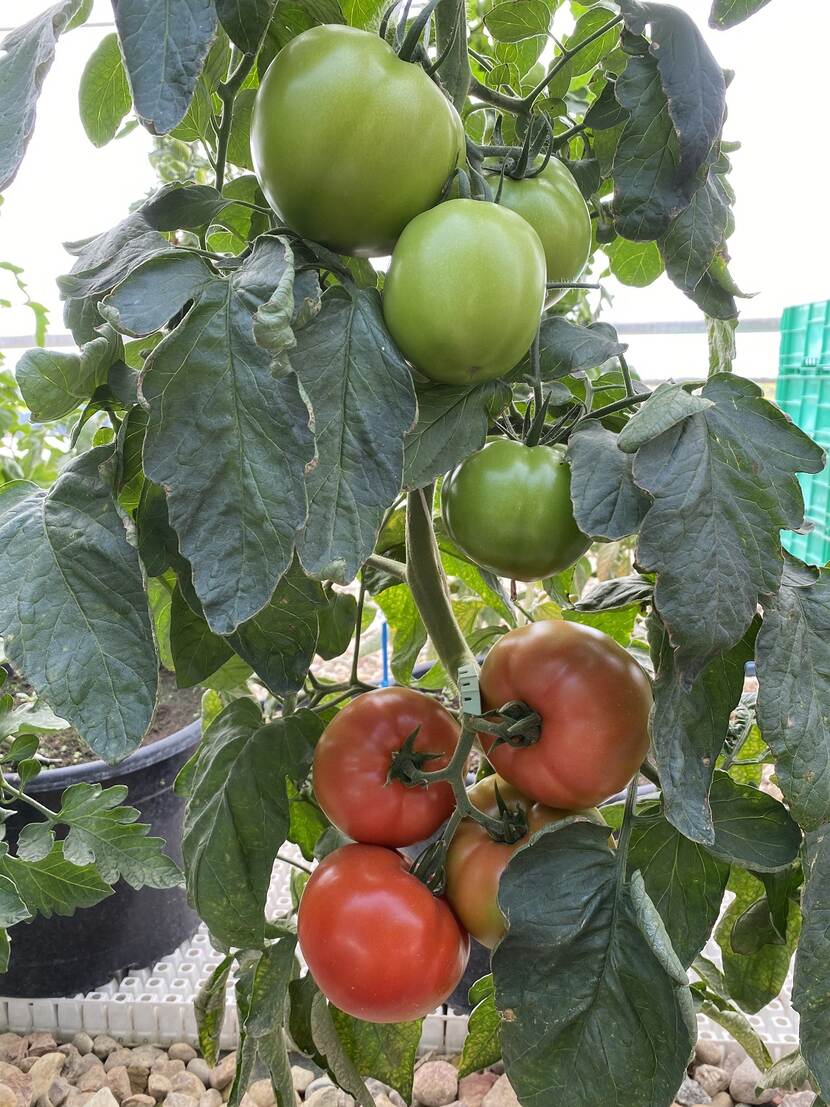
x,y
560,63
627,824
388,565
358,625
19,794
227,90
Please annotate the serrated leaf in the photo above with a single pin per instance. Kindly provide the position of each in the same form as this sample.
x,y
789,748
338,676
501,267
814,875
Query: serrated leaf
x,y
793,660
104,94
251,429
668,405
689,726
28,53
692,80
728,13
593,1001
452,424
363,400
634,263
607,502
237,817
723,485
261,991
482,1046
565,348
165,43
386,1051
73,611
518,19
103,831
209,1009
811,986
53,885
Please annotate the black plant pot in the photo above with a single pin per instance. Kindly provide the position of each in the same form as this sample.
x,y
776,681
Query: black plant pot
x,y
62,956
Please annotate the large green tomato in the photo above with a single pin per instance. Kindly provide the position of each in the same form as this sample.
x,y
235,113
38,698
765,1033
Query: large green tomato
x,y
555,208
349,142
464,292
508,508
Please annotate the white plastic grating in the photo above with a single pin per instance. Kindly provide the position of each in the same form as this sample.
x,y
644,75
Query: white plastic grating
x,y
155,1005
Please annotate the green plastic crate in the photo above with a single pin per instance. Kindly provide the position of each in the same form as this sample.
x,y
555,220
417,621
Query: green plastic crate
x,y
803,391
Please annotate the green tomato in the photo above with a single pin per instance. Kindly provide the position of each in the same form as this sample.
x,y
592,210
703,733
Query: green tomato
x,y
464,291
554,207
350,143
508,508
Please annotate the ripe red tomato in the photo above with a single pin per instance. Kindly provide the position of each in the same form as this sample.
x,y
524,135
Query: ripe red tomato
x,y
594,701
352,759
378,943
475,861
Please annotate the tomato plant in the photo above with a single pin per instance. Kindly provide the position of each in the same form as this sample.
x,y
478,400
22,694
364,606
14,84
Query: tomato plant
x,y
465,290
353,757
277,445
508,507
378,942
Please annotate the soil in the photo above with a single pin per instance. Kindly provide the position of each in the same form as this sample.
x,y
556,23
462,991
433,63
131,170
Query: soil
x,y
176,708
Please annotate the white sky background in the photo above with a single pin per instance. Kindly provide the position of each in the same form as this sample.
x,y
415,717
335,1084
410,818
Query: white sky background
x,y
66,189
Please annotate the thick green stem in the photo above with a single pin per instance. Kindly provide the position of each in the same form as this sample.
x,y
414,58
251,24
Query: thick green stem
x,y
358,627
388,565
428,583
227,94
618,405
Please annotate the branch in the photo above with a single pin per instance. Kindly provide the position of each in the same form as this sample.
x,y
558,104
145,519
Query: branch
x,y
227,94
388,565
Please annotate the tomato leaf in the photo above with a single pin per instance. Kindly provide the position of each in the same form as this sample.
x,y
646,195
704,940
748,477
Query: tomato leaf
x,y
452,424
28,53
232,465
105,259
692,80
590,991
12,908
608,595
793,659
386,1050
685,882
723,484
565,348
209,1009
73,610
197,651
165,43
245,21
261,991
183,206
361,393
688,728
752,829
237,815
728,13
451,20
53,885
811,984
54,383
607,503
336,624
104,831
482,1046
711,1000
338,1060
104,94
409,635
634,263
587,24
518,19
668,405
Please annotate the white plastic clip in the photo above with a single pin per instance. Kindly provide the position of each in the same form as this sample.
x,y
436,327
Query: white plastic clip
x,y
468,687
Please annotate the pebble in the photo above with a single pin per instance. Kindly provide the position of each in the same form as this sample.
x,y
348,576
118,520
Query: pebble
x,y
709,1053
118,1082
317,1083
181,1051
691,1093
222,1075
19,1082
118,1058
211,1098
43,1073
139,1100
8,1097
712,1079
501,1094
158,1086
329,1096
93,1080
82,1042
103,1045
435,1084
743,1082
380,1091
189,1084
733,1057
472,1089
78,1099
147,1055
139,1075
103,1098
12,1048
301,1078
722,1099
200,1068
165,1067
261,1093
41,1042
798,1099
26,1064
180,1099
59,1089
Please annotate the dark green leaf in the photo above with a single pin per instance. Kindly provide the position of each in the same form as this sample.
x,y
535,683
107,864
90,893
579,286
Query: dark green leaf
x,y
811,985
685,883
237,817
385,1051
451,31
104,260
261,991
634,263
793,658
452,424
165,43
232,465
482,1046
688,728
53,885
73,610
292,17
306,823
608,595
209,1009
363,401
12,908
336,624
607,503
667,406
752,829
197,651
692,80
723,484
105,832
27,57
178,206
593,999
697,234
565,348
54,383
648,188
728,13
104,95
158,546
518,19
245,21
605,112
407,629
337,1056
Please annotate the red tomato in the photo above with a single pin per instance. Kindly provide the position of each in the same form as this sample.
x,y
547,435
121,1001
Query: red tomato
x,y
378,943
594,701
352,759
475,861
